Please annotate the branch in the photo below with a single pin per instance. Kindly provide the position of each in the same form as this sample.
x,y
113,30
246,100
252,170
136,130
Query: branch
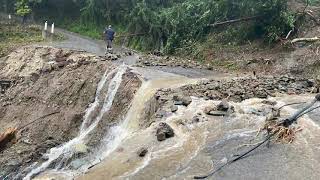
x,y
305,40
47,115
234,21
130,35
312,17
307,4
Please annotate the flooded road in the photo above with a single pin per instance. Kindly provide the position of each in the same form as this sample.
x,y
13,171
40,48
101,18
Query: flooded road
x,y
200,146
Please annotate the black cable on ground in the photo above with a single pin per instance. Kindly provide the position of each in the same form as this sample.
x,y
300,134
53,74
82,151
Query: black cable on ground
x,y
286,123
236,159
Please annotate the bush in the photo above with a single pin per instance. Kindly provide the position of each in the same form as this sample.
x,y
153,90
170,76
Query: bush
x,y
184,23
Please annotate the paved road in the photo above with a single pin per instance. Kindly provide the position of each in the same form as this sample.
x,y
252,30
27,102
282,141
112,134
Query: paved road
x,y
79,42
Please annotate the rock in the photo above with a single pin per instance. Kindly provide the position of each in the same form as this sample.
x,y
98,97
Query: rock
x,y
223,106
80,148
146,63
310,82
161,114
14,162
268,102
161,136
182,100
76,164
164,132
195,119
218,113
142,152
208,109
174,108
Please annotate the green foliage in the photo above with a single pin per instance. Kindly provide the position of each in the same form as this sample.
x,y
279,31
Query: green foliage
x,y
87,30
22,7
174,23
13,35
183,23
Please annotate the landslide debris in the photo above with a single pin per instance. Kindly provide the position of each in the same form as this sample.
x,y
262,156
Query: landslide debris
x,y
46,80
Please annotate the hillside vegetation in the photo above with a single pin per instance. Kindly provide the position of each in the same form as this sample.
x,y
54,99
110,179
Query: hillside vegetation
x,y
172,26
13,35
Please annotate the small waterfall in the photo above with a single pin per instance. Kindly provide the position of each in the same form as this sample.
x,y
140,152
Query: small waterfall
x,y
67,150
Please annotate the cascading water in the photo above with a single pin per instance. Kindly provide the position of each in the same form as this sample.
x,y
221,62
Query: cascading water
x,y
59,155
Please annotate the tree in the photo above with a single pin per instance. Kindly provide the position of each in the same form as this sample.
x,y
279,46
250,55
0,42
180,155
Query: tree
x,y
22,8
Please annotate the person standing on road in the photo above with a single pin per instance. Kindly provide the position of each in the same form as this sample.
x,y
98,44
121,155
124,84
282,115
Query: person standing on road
x,y
109,34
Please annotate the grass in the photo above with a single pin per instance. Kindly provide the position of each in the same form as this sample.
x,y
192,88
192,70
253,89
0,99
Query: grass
x,y
85,30
15,35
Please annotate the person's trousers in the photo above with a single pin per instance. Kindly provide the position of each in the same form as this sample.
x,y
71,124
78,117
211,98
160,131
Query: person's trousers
x,y
109,43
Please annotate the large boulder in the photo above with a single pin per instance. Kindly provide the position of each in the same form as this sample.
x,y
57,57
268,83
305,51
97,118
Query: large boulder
x,y
182,100
164,131
223,106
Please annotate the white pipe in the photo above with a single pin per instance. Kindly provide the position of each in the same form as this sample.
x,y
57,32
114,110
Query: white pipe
x,y
52,28
9,16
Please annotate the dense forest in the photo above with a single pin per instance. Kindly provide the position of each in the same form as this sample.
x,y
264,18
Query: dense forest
x,y
166,24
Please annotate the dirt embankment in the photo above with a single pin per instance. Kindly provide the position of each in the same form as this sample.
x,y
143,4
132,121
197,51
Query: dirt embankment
x,y
49,92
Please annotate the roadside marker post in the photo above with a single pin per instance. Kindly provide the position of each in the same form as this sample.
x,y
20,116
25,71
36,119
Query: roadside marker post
x,y
45,30
52,28
46,26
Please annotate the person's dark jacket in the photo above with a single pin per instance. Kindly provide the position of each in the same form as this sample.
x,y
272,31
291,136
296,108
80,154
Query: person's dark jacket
x,y
109,34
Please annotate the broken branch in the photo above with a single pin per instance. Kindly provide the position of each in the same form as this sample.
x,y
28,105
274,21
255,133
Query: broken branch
x,y
50,114
305,40
234,21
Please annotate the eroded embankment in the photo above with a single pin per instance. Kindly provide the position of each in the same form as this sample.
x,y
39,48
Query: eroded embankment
x,y
50,90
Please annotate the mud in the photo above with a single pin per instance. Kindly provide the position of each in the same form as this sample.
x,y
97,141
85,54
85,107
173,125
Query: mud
x,y
49,80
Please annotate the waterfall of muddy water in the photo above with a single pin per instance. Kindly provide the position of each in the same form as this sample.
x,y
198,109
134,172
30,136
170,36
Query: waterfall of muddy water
x,y
197,147
116,134
59,155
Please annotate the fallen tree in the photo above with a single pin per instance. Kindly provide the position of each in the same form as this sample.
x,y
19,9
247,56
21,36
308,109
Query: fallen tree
x,y
10,135
235,21
314,39
279,130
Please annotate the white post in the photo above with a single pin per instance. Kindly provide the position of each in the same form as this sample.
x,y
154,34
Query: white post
x,y
9,16
46,26
52,28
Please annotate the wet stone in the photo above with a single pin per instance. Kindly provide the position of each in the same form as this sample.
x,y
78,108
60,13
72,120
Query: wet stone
x,y
76,164
195,119
208,109
164,131
223,106
161,114
142,152
182,100
218,113
174,108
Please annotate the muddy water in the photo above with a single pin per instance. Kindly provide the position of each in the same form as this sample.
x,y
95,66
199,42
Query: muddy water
x,y
59,156
116,134
199,147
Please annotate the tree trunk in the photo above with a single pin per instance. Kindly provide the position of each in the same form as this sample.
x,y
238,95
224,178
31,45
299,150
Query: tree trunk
x,y
305,40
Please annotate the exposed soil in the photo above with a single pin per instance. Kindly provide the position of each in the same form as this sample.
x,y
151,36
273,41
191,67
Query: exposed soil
x,y
47,80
